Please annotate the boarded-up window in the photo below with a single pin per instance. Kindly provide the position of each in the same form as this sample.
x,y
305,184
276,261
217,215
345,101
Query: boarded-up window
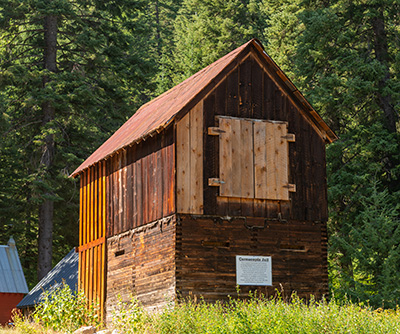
x,y
254,158
236,158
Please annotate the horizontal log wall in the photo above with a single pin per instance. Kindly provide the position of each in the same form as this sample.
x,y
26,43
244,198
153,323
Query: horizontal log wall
x,y
92,229
206,250
121,272
250,92
141,184
141,263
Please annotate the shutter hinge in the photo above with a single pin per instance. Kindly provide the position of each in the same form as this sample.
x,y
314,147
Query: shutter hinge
x,y
291,187
290,137
215,131
215,182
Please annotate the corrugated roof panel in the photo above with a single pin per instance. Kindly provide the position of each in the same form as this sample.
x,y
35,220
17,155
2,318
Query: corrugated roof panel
x,y
4,270
161,111
65,271
12,279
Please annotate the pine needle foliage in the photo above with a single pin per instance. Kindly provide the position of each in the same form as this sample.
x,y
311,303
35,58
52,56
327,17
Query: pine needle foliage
x,y
53,117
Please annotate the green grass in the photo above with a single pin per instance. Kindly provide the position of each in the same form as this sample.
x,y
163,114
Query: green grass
x,y
274,316
237,316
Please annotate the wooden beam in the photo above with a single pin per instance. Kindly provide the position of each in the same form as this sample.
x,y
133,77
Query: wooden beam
x,y
92,202
103,229
196,159
260,160
95,195
183,164
102,280
91,244
81,194
87,208
246,160
225,156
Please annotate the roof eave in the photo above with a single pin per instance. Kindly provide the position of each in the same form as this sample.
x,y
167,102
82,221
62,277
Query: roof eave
x,y
150,134
285,83
323,129
190,104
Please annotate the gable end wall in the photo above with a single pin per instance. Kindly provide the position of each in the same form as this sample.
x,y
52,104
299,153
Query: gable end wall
x,y
249,92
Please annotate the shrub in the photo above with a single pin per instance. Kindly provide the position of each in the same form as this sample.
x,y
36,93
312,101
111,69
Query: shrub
x,y
129,317
23,325
64,310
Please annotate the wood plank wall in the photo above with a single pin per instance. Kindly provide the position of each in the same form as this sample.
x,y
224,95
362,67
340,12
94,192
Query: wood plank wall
x,y
249,92
141,184
141,262
189,165
206,250
92,231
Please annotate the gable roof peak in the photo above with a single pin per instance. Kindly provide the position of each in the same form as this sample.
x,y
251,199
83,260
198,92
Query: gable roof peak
x,y
11,242
159,113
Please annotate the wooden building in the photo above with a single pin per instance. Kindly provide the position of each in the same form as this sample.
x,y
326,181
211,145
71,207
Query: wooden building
x,y
231,162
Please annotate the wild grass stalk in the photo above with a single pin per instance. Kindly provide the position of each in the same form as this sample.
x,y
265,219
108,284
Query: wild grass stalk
x,y
237,316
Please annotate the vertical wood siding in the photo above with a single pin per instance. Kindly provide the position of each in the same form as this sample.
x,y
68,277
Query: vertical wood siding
x,y
189,165
206,250
92,228
141,184
249,92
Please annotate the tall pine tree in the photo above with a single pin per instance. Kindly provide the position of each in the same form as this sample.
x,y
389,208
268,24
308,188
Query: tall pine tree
x,y
282,31
206,30
71,71
343,56
347,63
162,14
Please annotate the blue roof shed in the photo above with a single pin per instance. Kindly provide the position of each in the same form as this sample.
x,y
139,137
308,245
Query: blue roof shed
x,y
65,271
12,279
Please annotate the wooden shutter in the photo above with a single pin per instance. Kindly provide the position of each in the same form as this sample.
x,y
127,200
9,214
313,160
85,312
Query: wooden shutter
x,y
271,160
236,158
254,158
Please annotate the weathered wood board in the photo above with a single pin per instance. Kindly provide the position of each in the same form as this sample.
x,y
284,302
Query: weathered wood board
x,y
141,184
206,250
92,227
300,164
189,161
141,263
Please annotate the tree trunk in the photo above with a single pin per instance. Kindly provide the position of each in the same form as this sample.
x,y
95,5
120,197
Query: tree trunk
x,y
45,242
382,55
158,29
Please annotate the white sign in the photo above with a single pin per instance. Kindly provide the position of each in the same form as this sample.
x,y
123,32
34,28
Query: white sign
x,y
253,270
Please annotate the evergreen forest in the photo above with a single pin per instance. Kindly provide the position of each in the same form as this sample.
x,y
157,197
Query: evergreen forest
x,y
73,71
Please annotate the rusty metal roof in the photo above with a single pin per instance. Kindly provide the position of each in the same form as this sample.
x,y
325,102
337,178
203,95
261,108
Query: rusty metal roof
x,y
159,113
